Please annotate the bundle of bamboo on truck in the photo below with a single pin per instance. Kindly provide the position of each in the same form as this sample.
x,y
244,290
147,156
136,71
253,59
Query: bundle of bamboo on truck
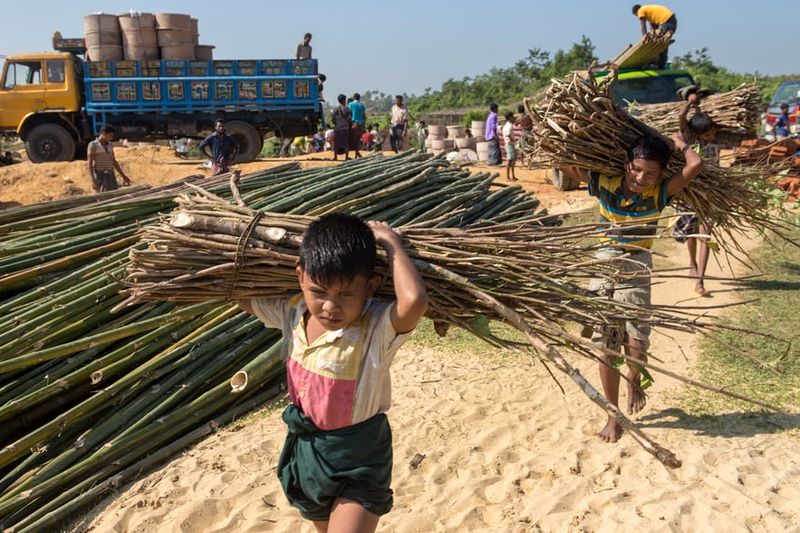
x,y
644,52
579,125
735,113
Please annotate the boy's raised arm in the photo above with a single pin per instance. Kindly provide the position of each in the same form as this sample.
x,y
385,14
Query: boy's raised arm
x,y
412,297
683,122
693,167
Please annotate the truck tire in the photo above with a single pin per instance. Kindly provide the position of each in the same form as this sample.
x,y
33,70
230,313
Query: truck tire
x,y
562,182
250,141
49,142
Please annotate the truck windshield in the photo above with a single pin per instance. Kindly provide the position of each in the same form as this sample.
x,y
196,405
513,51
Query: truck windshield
x,y
787,93
649,90
23,73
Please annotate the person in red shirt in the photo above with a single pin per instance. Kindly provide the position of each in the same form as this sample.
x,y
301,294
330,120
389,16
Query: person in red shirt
x,y
367,141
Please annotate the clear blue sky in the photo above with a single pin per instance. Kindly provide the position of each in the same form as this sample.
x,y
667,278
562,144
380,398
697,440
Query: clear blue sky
x,y
406,46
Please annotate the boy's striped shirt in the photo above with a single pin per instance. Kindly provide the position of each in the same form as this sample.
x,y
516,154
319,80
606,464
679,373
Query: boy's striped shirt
x,y
614,207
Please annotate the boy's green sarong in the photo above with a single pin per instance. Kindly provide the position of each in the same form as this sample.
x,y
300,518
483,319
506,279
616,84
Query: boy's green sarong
x,y
353,462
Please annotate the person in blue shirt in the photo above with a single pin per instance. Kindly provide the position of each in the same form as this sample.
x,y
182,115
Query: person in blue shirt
x,y
358,112
223,148
782,125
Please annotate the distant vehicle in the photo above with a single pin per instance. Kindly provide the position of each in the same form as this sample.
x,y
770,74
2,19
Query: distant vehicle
x,y
787,93
57,103
641,86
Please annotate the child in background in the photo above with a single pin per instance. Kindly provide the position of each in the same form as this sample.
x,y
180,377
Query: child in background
x,y
639,194
422,135
377,138
318,141
701,132
336,464
511,151
367,141
782,125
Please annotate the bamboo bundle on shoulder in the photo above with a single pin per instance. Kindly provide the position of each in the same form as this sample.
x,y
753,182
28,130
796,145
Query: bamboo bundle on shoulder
x,y
735,113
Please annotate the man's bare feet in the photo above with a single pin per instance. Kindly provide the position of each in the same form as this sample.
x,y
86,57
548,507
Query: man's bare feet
x,y
612,432
700,289
636,396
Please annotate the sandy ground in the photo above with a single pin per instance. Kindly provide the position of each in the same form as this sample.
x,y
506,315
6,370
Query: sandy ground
x,y
504,451
27,183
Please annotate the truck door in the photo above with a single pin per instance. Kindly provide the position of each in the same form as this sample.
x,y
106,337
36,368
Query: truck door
x,y
23,92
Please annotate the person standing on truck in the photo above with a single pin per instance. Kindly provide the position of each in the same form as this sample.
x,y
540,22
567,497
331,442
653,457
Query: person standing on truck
x,y
358,112
399,124
304,48
662,21
224,148
101,160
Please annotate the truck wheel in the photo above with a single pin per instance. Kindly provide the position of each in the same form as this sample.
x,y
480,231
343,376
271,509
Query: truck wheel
x,y
250,141
561,181
49,142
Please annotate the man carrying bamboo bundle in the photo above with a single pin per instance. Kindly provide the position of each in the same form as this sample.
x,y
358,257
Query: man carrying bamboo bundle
x,y
662,21
102,163
639,195
336,463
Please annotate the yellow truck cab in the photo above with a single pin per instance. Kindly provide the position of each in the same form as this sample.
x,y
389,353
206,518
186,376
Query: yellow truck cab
x,y
40,101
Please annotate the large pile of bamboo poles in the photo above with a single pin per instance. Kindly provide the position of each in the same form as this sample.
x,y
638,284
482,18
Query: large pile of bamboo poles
x,y
736,112
89,398
579,125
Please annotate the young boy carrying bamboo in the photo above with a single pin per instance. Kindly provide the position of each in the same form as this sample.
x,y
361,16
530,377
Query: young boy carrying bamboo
x,y
336,463
640,194
701,132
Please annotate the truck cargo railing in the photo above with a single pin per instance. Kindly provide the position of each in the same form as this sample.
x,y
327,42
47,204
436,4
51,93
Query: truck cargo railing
x,y
200,86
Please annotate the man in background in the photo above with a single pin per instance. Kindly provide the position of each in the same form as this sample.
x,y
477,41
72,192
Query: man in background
x,y
102,163
223,148
358,114
304,48
495,157
399,123
662,21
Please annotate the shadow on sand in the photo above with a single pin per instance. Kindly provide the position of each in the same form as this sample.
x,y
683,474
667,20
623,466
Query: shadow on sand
x,y
721,425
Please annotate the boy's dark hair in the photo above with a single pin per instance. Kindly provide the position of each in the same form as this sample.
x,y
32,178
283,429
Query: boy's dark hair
x,y
493,107
307,36
356,97
701,123
784,107
651,148
422,123
341,99
509,115
400,96
322,77
108,128
636,8
219,121
520,108
337,247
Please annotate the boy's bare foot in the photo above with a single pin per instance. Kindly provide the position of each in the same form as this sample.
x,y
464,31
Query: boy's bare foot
x,y
700,289
612,432
636,396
